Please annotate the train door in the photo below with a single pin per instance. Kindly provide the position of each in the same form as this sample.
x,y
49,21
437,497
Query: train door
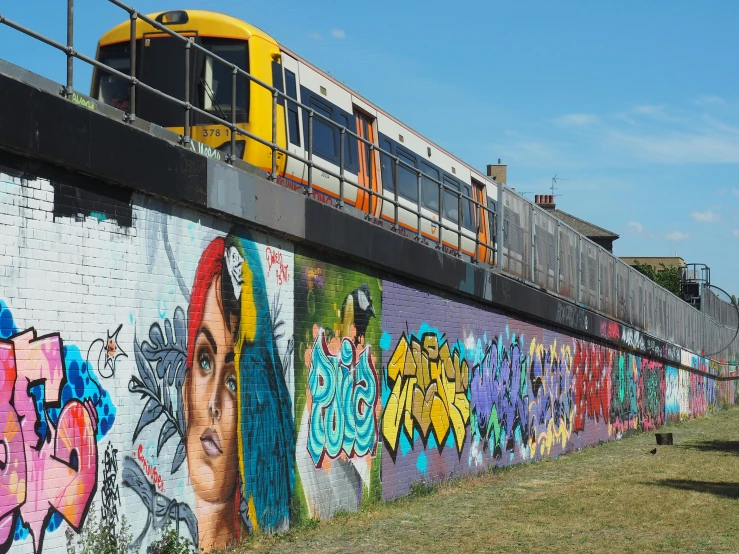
x,y
367,176
480,222
295,170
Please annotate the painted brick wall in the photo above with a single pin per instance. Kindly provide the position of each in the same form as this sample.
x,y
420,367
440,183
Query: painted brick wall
x,y
164,365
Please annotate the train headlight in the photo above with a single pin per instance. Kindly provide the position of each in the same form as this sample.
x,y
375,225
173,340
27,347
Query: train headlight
x,y
177,17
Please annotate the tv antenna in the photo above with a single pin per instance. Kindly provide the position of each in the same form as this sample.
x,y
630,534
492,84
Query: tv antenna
x,y
555,180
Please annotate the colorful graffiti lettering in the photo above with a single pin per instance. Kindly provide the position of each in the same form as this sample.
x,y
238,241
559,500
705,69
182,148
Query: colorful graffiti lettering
x,y
52,414
343,389
624,396
672,394
429,392
652,395
592,378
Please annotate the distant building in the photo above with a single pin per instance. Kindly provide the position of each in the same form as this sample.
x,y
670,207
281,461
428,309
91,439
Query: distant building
x,y
655,261
598,235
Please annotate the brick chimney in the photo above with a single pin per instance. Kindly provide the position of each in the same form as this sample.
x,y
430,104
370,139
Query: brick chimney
x,y
545,201
498,172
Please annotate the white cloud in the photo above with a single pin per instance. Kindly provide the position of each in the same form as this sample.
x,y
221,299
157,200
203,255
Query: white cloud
x,y
679,147
677,235
314,36
577,120
636,227
705,217
338,33
710,99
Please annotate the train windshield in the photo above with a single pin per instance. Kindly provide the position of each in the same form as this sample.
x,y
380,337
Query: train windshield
x,y
215,81
111,89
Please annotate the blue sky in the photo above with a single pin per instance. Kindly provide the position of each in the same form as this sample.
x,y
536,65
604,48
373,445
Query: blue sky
x,y
636,104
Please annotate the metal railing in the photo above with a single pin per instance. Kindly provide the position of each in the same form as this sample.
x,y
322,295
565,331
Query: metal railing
x,y
483,247
532,245
539,248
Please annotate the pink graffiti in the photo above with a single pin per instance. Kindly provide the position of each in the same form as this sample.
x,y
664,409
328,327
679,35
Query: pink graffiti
x,y
282,271
609,330
41,477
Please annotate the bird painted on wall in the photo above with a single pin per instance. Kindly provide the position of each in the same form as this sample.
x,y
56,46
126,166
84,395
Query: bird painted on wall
x,y
357,310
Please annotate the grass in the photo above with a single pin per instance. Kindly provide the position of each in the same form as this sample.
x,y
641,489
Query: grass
x,y
616,497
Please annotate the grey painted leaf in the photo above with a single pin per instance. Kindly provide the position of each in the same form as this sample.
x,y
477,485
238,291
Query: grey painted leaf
x,y
168,430
145,370
151,413
168,350
179,456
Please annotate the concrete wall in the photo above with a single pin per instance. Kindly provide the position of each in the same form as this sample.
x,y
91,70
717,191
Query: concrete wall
x,y
162,364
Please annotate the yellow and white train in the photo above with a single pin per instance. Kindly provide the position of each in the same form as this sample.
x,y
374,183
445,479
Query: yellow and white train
x,y
160,64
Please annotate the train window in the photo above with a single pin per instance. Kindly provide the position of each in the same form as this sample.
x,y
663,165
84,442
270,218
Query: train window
x,y
292,108
110,89
451,199
429,188
491,218
467,208
407,179
348,157
324,134
215,83
277,79
386,164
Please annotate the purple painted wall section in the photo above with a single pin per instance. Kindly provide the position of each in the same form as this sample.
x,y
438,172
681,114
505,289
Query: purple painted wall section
x,y
465,388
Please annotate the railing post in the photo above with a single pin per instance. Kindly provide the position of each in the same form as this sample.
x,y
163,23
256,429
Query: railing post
x,y
459,224
309,190
371,211
499,217
186,137
597,259
558,261
395,188
615,289
131,117
273,175
234,74
532,257
630,300
70,48
579,269
479,212
418,205
441,213
342,154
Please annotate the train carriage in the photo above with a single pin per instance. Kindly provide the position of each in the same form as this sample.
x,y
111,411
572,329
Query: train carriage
x,y
400,172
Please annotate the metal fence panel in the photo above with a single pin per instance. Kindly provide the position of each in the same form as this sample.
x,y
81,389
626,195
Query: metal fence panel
x,y
568,263
516,235
607,299
622,290
589,295
545,250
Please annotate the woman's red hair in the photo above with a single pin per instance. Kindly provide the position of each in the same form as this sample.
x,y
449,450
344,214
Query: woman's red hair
x,y
209,267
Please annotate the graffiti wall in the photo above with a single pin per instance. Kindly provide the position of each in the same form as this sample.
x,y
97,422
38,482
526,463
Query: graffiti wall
x,y
338,324
171,368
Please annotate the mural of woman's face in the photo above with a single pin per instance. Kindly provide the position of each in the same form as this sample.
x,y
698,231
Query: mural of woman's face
x,y
211,405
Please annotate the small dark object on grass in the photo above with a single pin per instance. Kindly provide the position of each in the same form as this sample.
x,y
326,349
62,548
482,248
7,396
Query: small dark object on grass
x,y
653,451
664,439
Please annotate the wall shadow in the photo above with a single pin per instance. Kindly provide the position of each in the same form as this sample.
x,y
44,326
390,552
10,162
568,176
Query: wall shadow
x,y
730,447
718,488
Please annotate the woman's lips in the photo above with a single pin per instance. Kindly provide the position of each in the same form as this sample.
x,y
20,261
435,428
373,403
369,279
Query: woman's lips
x,y
211,443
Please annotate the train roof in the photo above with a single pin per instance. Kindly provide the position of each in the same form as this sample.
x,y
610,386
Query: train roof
x,y
208,24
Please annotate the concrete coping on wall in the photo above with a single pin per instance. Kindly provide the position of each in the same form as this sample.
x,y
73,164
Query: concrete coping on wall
x,y
45,134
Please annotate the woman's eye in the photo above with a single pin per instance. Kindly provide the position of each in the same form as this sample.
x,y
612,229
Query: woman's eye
x,y
231,384
204,361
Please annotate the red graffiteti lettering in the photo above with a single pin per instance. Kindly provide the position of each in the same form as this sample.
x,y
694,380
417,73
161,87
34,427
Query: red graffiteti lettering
x,y
41,476
609,330
282,271
592,383
150,469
